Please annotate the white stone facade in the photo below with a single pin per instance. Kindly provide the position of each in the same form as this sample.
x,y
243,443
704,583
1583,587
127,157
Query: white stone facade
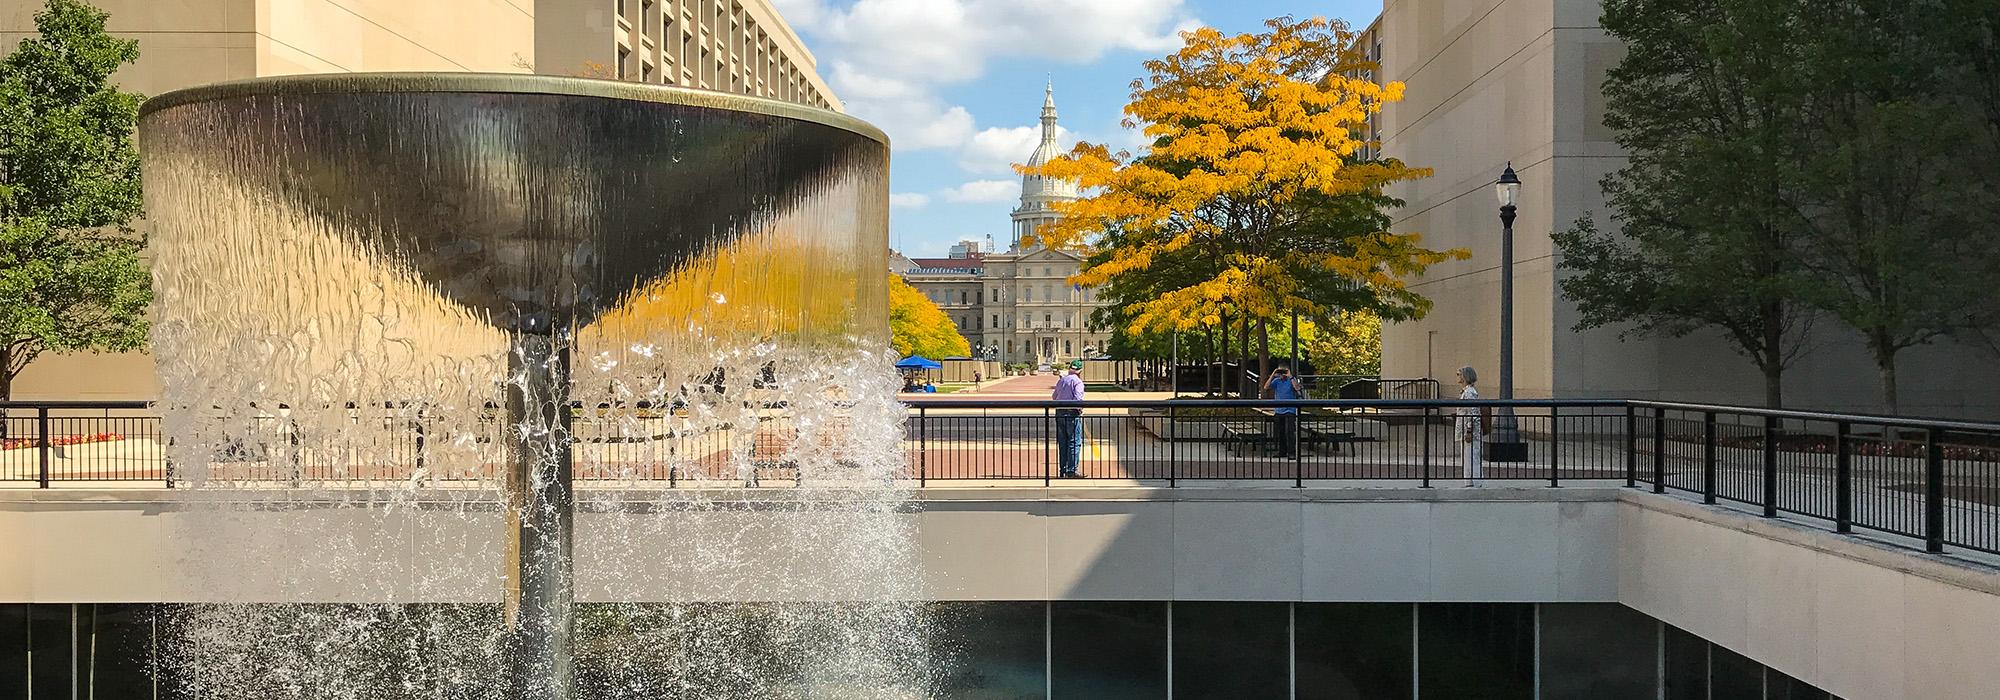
x,y
1018,306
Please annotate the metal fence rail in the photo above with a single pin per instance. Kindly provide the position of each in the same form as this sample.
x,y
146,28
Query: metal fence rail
x,y
1931,480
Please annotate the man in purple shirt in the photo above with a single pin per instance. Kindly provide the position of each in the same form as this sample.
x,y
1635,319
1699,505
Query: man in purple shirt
x,y
1069,421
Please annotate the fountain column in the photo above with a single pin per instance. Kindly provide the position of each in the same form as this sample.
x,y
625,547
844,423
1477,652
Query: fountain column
x,y
540,501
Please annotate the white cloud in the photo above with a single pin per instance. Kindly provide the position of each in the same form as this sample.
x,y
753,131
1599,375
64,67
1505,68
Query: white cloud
x,y
983,191
891,56
909,200
994,150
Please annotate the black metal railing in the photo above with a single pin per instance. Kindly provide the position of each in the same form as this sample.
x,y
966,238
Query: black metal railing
x,y
51,441
1935,481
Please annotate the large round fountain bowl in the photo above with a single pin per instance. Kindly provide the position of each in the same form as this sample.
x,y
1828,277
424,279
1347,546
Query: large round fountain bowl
x,y
404,208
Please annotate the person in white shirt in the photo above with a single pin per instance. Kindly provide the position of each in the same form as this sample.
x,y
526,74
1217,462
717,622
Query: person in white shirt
x,y
1469,429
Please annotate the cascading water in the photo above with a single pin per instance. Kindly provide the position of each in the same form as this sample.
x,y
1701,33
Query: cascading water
x,y
468,333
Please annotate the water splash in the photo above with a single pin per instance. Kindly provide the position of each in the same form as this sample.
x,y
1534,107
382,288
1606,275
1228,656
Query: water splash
x,y
347,278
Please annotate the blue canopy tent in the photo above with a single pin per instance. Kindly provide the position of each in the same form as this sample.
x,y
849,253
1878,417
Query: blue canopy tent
x,y
913,366
915,362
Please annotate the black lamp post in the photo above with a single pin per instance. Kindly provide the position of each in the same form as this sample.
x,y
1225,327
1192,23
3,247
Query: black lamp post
x,y
1504,443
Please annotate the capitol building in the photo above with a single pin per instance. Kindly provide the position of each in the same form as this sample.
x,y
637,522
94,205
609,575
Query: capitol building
x,y
1016,306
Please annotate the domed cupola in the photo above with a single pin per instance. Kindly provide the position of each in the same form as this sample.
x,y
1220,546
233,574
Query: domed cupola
x,y
1039,194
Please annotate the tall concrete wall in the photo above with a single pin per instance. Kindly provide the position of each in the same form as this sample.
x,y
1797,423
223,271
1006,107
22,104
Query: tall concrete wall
x,y
1493,81
1860,619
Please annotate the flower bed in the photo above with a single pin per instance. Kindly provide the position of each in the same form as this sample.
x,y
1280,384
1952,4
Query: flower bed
x,y
57,441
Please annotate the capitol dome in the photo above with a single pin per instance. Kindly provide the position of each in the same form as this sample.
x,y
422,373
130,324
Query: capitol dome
x,y
1039,194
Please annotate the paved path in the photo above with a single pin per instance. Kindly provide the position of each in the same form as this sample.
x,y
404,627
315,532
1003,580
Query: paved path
x,y
1033,384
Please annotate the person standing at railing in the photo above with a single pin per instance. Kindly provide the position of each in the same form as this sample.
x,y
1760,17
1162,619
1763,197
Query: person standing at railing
x,y
1468,427
1284,421
1069,421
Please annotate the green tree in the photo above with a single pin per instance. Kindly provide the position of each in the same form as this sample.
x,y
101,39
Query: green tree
x,y
1349,343
1892,175
918,327
1705,241
70,274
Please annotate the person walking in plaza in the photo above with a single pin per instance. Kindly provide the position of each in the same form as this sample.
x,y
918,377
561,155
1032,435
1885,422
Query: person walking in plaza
x,y
1069,422
1285,420
1470,427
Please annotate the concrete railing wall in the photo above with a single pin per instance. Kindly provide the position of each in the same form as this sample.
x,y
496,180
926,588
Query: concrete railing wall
x,y
1860,619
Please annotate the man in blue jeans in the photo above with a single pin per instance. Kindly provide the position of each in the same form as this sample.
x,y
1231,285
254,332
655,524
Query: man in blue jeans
x,y
1069,421
1282,385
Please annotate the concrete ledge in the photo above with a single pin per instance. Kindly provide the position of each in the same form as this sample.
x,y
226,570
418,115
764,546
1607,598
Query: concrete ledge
x,y
1972,571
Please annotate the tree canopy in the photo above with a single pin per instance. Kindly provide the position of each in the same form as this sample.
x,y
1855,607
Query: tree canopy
x,y
70,274
918,327
1793,159
1250,202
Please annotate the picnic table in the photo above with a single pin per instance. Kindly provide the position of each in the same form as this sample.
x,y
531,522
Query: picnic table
x,y
1257,435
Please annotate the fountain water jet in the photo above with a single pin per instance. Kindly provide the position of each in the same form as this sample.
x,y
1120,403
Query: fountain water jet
x,y
438,244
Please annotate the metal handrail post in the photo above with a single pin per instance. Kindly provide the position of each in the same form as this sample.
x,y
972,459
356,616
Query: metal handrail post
x,y
1173,447
1427,448
1843,478
1631,448
1298,455
1770,466
923,447
1048,440
1555,447
1708,457
1934,490
1659,450
42,446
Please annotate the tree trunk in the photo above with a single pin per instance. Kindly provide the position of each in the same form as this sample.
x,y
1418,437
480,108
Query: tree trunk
x,y
1263,350
1774,385
1222,360
1885,363
1243,361
1773,361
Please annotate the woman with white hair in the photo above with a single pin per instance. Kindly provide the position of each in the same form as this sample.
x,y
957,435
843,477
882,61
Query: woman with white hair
x,y
1469,428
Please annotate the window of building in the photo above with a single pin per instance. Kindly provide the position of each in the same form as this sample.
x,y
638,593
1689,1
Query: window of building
x,y
1048,320
1010,347
1027,294
1045,272
645,72
996,320
1046,294
962,296
624,55
1067,350
1069,319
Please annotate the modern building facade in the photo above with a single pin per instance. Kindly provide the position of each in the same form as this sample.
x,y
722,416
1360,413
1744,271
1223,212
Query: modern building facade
x,y
1491,82
1017,305
740,46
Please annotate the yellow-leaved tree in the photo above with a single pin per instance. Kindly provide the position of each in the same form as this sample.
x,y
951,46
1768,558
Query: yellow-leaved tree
x,y
918,327
1252,202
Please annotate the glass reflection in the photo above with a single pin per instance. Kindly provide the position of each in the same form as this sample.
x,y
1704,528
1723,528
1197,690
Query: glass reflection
x,y
1108,650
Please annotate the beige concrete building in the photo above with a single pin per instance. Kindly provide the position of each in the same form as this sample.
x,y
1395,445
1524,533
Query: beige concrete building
x,y
1498,81
1017,306
735,45
739,46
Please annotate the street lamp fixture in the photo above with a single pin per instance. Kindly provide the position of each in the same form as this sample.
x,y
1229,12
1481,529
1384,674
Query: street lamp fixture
x,y
1504,443
1508,189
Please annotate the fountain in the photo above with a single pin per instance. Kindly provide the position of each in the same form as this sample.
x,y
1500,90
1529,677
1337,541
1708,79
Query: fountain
x,y
406,285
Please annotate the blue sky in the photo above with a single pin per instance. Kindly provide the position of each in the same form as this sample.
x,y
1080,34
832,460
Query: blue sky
x,y
957,84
